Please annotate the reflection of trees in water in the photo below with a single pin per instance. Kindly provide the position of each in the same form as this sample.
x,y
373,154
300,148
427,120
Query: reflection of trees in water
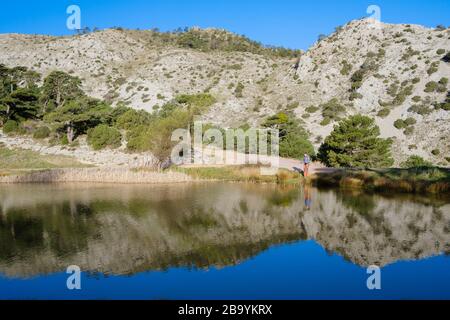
x,y
137,229
63,228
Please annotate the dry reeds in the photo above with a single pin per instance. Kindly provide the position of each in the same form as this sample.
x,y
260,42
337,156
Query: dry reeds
x,y
98,175
433,181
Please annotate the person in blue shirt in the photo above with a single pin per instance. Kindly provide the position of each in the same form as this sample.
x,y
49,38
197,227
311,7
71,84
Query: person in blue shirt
x,y
306,163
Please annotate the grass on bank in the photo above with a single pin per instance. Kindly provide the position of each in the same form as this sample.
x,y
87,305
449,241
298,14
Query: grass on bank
x,y
432,180
24,160
245,173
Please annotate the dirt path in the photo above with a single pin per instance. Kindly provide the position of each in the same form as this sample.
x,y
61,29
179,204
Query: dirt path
x,y
119,158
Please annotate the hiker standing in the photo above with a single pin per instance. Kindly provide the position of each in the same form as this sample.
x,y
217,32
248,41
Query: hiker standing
x,y
306,162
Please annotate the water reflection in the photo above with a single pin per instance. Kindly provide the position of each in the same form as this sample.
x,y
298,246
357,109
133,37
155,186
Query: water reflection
x,y
129,229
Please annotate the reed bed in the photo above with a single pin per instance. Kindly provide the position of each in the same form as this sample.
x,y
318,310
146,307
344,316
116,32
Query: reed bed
x,y
416,181
98,175
244,173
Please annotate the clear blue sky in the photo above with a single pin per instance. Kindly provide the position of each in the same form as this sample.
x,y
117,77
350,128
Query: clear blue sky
x,y
290,23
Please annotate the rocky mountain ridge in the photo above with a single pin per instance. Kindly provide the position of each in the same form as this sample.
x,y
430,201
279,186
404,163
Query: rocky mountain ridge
x,y
394,73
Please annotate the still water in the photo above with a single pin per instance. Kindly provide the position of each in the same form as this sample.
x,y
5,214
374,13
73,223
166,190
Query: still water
x,y
220,241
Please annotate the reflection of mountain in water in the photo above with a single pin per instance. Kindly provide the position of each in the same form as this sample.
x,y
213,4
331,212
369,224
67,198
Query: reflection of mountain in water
x,y
129,229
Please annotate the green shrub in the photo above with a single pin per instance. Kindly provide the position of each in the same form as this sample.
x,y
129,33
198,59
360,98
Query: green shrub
x,y
443,81
416,98
238,92
346,68
415,162
332,109
409,131
420,109
431,87
383,113
132,118
64,140
10,126
41,133
410,121
103,136
312,109
440,51
400,124
435,152
325,122
433,68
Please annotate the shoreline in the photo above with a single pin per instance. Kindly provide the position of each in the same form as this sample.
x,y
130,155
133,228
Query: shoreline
x,y
426,181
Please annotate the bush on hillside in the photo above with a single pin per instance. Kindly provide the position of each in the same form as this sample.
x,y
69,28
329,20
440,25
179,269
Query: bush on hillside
x,y
10,126
103,136
415,162
41,133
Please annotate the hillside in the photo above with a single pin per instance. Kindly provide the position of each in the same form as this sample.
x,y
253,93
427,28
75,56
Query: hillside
x,y
395,72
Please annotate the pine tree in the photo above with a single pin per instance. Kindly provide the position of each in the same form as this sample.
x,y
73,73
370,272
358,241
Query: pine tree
x,y
355,143
60,87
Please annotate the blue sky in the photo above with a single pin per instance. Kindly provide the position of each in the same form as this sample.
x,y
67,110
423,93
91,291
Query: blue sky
x,y
290,23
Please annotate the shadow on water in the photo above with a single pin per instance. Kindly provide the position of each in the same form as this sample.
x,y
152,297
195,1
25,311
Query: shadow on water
x,y
130,229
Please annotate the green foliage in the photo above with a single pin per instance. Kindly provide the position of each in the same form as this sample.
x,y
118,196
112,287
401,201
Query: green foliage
x,y
434,86
354,143
346,68
41,133
77,116
436,152
103,136
10,126
370,65
433,68
132,118
11,78
440,51
403,124
198,103
421,109
408,131
155,134
430,87
410,121
383,113
332,109
312,109
238,91
325,122
220,40
400,124
20,105
157,137
446,104
294,140
415,162
59,88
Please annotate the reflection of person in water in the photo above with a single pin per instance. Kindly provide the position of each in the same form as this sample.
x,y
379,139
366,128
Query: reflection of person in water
x,y
308,200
